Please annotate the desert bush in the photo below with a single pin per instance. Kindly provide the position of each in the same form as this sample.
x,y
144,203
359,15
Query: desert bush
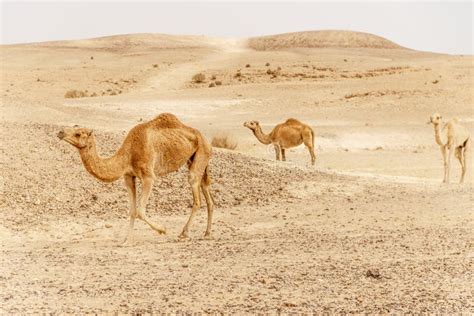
x,y
224,141
199,78
267,64
155,65
212,85
218,83
213,77
247,66
72,94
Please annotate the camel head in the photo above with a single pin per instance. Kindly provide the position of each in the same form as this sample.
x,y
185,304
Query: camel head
x,y
78,137
435,119
253,125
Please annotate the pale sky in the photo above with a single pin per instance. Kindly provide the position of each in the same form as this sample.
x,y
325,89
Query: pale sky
x,y
445,27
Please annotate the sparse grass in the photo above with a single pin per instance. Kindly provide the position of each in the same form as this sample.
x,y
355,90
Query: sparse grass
x,y
224,141
199,78
73,94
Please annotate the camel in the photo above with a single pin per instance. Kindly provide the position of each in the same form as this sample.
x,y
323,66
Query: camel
x,y
286,135
454,140
151,149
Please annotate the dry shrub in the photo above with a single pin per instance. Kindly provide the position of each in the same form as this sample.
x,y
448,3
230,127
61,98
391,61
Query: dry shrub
x,y
212,85
199,78
224,141
72,94
247,66
267,64
213,77
218,83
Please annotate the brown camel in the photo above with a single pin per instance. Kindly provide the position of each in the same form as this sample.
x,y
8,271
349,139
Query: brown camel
x,y
454,140
151,149
292,133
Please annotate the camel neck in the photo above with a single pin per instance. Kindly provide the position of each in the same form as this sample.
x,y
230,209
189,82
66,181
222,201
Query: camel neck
x,y
262,137
438,139
104,169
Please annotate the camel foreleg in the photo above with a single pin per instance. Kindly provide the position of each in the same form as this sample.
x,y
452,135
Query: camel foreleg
x,y
147,185
132,196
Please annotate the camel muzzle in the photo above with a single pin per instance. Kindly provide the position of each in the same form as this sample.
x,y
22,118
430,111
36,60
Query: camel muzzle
x,y
61,135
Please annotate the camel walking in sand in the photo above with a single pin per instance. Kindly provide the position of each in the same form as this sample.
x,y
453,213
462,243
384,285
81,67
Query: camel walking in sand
x,y
454,140
286,135
151,149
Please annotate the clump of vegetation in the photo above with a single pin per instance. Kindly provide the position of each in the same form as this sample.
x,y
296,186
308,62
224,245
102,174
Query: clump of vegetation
x,y
224,141
213,77
155,65
212,85
218,83
73,94
247,66
267,64
199,78
238,74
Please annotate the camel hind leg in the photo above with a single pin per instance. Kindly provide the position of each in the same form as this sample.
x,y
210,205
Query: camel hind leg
x,y
308,140
205,187
465,162
197,167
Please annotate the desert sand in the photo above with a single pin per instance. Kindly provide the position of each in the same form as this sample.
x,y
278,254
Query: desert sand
x,y
369,228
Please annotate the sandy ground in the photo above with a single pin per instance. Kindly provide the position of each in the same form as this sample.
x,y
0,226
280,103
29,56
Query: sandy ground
x,y
370,228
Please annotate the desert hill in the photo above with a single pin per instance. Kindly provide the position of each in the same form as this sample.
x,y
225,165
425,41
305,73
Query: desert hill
x,y
321,39
137,41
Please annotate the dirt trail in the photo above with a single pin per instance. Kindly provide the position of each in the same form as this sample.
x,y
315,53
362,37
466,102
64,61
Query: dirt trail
x,y
175,78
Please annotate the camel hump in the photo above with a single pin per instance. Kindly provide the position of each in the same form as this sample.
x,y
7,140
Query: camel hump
x,y
166,120
292,121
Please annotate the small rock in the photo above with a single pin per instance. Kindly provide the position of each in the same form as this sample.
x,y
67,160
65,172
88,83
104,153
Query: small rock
x,y
373,273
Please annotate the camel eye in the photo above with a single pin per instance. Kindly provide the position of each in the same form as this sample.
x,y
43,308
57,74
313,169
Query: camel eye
x,y
77,135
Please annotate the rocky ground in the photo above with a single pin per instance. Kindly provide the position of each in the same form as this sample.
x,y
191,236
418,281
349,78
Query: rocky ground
x,y
369,229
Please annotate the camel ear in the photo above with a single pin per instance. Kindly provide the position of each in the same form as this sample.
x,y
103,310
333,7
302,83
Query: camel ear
x,y
90,133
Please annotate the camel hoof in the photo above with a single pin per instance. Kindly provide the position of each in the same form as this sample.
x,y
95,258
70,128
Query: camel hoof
x,y
208,236
183,236
162,231
125,243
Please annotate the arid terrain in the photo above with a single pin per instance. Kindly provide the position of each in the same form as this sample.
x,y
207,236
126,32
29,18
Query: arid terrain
x,y
369,228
